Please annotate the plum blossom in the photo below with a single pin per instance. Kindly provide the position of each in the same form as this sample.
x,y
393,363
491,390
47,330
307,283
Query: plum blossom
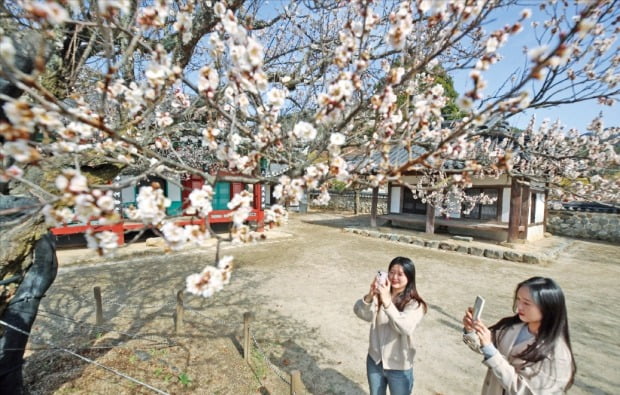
x,y
183,24
211,280
254,52
20,151
200,201
174,235
12,172
85,208
106,202
276,214
152,206
304,131
163,119
208,80
51,12
7,50
401,26
105,243
276,97
241,206
323,198
337,138
110,7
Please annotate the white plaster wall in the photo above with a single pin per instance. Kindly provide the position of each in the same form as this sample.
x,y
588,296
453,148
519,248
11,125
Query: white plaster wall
x,y
505,204
395,199
540,208
535,232
266,195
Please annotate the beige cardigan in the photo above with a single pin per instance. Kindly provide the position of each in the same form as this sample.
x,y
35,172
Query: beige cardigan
x,y
549,376
391,332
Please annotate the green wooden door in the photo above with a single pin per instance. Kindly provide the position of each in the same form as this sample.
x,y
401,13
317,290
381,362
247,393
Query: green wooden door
x,y
221,196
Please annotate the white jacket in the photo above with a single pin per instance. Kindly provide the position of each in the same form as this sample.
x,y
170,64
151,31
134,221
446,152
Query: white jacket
x,y
507,376
391,332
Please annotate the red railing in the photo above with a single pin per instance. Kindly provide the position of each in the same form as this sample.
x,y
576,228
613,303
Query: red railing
x,y
218,216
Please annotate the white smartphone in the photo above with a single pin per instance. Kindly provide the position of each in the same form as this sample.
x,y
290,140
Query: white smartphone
x,y
478,306
381,277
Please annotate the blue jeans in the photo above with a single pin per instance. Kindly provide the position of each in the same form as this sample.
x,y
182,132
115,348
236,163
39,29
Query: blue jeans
x,y
400,382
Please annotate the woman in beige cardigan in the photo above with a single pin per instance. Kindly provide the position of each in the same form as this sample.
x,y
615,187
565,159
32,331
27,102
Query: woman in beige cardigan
x,y
394,308
530,352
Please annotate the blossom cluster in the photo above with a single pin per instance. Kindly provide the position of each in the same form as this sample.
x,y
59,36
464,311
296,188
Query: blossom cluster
x,y
319,94
212,278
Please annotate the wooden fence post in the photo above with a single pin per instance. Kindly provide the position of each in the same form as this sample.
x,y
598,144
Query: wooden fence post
x,y
178,314
98,306
247,318
296,384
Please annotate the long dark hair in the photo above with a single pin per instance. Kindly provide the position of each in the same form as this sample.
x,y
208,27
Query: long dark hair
x,y
410,292
549,298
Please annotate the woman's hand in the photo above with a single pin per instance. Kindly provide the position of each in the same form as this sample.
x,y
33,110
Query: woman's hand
x,y
468,322
372,292
385,294
484,334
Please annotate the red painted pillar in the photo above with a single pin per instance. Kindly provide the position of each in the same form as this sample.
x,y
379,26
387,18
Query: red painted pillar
x,y
120,232
260,215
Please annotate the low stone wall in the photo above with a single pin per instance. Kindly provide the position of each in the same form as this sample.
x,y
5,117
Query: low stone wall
x,y
597,226
461,247
345,201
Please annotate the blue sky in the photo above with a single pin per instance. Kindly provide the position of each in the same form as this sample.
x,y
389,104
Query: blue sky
x,y
577,115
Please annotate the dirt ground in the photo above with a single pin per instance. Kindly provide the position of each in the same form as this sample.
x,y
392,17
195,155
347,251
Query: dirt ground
x,y
301,287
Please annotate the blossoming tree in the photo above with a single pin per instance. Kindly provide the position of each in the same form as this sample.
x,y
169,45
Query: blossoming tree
x,y
215,88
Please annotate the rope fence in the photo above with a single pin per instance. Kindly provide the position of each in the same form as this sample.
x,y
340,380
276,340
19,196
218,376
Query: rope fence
x,y
178,309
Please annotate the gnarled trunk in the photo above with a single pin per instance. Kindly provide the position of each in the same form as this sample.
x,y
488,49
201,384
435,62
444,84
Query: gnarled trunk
x,y
28,267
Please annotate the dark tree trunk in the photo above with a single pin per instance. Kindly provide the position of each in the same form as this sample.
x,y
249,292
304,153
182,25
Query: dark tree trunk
x,y
373,207
28,267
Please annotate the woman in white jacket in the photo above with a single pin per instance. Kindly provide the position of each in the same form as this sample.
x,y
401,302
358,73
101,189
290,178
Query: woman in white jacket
x,y
530,352
394,309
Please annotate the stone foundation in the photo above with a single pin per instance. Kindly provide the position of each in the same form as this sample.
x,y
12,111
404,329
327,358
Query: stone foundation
x,y
586,225
345,201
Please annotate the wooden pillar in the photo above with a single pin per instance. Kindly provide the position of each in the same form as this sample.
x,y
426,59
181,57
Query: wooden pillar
x,y
179,314
247,341
258,206
373,207
525,211
98,306
430,218
296,384
515,210
546,209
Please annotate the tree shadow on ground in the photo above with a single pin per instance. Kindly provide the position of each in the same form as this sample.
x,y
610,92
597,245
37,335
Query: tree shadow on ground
x,y
316,380
449,320
139,300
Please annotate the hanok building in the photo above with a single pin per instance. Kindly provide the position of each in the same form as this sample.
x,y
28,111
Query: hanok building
x,y
517,213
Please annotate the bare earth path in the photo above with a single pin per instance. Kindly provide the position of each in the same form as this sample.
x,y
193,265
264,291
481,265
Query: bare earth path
x,y
302,289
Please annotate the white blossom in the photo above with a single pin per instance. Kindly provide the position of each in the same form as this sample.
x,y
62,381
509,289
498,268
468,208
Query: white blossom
x,y
304,131
7,50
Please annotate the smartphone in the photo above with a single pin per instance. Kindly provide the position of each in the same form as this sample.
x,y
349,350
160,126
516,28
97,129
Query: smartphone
x,y
478,306
381,277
